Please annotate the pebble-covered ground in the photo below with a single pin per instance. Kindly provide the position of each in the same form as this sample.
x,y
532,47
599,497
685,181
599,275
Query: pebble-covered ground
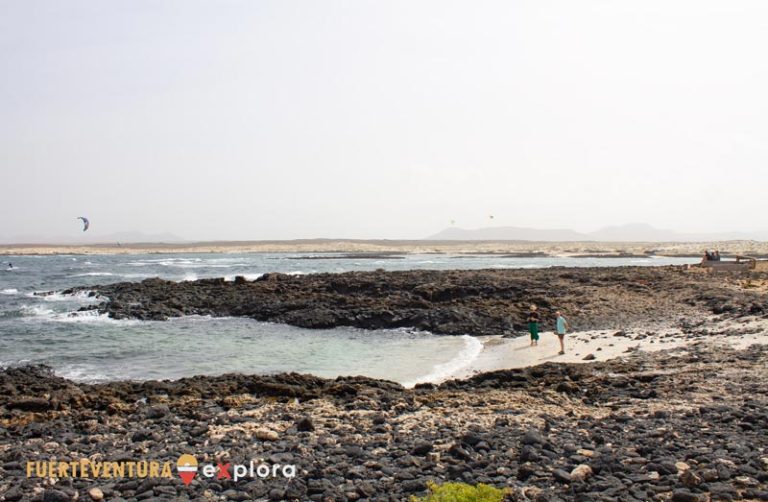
x,y
683,424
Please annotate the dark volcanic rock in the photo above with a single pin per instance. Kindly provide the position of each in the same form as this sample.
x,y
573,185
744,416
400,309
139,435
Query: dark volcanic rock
x,y
479,302
372,439
686,496
55,496
30,404
561,476
532,437
421,448
672,425
305,424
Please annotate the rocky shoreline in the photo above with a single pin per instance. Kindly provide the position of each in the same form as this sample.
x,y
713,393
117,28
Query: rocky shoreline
x,y
688,423
482,302
685,425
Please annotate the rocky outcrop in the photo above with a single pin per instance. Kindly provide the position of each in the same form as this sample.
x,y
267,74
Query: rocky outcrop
x,y
484,302
686,425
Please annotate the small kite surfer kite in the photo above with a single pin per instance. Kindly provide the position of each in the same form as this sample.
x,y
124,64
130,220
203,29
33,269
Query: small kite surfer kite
x,y
86,223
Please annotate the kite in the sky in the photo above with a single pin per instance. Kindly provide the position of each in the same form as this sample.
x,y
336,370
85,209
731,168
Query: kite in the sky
x,y
86,223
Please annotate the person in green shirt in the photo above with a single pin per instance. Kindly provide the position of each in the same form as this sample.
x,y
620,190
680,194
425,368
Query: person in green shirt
x,y
533,325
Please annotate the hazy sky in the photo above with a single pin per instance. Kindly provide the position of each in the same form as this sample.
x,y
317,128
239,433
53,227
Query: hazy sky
x,y
290,119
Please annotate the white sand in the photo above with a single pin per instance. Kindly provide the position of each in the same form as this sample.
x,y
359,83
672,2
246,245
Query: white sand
x,y
506,353
391,246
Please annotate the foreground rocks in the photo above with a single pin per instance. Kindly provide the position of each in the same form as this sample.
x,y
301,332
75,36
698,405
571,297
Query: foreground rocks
x,y
484,302
683,425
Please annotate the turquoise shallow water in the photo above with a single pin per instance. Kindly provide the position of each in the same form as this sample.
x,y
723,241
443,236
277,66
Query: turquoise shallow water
x,y
89,347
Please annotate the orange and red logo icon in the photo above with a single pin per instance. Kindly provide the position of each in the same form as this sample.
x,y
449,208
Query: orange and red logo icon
x,y
187,467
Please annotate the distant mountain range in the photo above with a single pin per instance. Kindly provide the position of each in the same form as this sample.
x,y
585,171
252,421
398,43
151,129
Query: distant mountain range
x,y
634,232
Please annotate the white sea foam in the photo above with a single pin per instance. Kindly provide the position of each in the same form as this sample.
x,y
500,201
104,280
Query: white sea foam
x,y
224,260
248,277
194,318
134,276
204,318
9,291
9,363
56,296
35,311
91,316
165,262
171,259
202,265
471,350
81,373
187,263
93,274
181,264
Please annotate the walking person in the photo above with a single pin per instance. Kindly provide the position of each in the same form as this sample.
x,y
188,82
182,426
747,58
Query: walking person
x,y
533,325
561,325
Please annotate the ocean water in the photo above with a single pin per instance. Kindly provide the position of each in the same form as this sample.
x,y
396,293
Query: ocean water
x,y
90,347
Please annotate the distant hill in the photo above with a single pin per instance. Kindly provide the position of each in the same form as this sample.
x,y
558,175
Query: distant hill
x,y
633,232
507,234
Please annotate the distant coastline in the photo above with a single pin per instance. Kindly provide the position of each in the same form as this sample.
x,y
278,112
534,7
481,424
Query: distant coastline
x,y
392,247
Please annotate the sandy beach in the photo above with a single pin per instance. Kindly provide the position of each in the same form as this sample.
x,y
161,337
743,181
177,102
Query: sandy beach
x,y
500,353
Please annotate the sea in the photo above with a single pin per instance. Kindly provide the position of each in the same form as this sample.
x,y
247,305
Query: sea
x,y
89,347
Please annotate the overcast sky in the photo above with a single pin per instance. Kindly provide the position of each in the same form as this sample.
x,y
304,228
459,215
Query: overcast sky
x,y
381,119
